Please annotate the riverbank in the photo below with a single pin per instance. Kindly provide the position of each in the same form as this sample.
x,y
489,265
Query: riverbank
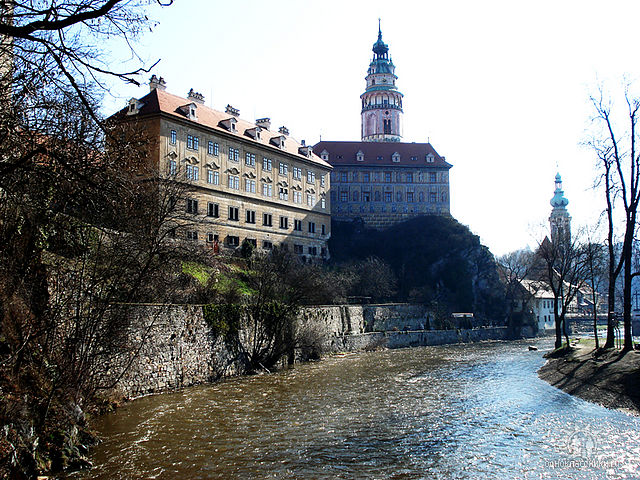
x,y
611,378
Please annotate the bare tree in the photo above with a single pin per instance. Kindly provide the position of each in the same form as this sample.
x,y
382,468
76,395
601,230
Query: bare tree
x,y
67,252
514,268
619,158
565,273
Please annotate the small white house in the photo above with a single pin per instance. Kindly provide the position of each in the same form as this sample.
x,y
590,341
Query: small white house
x,y
541,303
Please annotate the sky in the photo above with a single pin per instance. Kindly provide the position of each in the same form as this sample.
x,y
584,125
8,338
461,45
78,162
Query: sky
x,y
500,88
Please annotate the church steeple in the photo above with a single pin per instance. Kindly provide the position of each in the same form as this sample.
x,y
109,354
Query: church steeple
x,y
560,220
381,114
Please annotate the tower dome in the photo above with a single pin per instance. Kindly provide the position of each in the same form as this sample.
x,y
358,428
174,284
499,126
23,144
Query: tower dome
x,y
559,200
381,116
560,220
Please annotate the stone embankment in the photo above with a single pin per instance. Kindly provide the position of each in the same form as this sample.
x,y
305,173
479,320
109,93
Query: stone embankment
x,y
175,347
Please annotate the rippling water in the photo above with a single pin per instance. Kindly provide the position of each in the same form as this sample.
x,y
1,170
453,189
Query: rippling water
x,y
473,411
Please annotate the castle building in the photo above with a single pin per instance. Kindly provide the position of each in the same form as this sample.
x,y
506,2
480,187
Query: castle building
x,y
247,182
381,179
560,220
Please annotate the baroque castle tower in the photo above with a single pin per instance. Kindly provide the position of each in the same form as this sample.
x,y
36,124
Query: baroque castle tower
x,y
560,220
381,101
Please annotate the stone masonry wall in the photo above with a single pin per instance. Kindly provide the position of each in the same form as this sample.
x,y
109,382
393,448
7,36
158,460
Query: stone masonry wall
x,y
176,348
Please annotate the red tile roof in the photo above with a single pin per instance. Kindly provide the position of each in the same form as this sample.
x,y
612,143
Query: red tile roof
x,y
160,101
381,154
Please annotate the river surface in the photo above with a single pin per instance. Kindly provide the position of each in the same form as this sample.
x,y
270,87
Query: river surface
x,y
475,411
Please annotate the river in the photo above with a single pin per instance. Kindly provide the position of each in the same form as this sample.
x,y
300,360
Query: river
x,y
472,411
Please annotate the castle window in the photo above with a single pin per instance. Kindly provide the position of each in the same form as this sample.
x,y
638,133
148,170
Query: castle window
x,y
267,189
344,196
234,213
297,197
388,197
213,177
284,223
409,177
312,227
298,248
249,185
283,168
283,193
322,181
192,235
266,164
174,137
233,241
354,176
192,172
210,148
343,177
212,237
323,203
192,206
173,167
432,177
297,225
387,177
233,154
360,156
297,173
366,196
311,200
324,229
250,159
212,210
267,219
430,158
365,177
311,177
409,197
234,182
386,124
395,157
267,245
250,216
433,197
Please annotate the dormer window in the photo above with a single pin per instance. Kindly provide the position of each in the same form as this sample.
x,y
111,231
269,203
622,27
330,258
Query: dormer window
x,y
324,155
134,107
360,156
278,141
305,150
430,158
189,111
253,132
395,157
229,124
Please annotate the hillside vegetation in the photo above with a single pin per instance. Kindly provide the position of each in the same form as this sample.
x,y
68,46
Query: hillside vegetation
x,y
435,259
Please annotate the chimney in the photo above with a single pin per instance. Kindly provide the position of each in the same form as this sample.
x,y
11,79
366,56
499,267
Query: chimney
x,y
195,97
264,123
157,83
233,111
284,130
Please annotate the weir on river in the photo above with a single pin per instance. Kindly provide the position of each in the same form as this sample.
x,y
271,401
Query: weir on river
x,y
467,411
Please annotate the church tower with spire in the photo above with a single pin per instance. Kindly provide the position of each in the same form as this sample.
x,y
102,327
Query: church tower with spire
x,y
381,100
560,220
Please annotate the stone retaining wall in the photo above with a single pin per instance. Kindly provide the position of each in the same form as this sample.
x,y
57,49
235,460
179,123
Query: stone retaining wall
x,y
176,348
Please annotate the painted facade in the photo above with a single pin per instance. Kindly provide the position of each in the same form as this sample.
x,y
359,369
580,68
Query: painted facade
x,y
246,181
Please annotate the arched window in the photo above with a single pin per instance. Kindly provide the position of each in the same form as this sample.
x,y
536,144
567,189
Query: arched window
x,y
387,126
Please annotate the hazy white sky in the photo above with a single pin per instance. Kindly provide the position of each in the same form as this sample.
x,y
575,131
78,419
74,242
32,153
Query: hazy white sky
x,y
501,88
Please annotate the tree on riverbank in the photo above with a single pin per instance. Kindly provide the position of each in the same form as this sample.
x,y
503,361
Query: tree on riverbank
x,y
63,264
618,156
